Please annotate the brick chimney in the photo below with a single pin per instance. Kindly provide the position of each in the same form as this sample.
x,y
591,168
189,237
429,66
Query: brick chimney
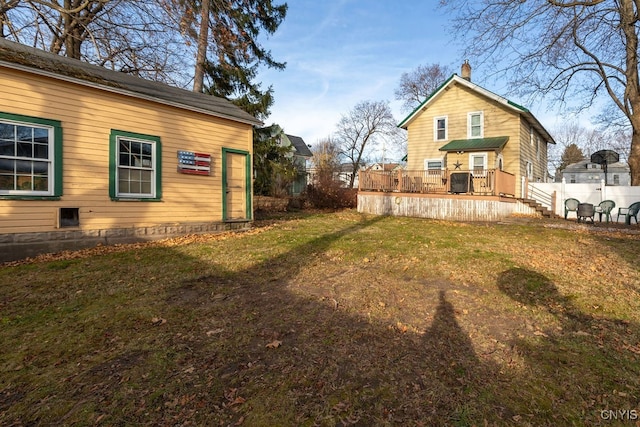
x,y
465,71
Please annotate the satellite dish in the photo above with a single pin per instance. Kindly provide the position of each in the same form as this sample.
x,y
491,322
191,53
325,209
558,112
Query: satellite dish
x,y
605,157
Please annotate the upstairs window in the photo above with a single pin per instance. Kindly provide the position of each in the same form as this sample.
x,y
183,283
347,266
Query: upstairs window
x,y
30,156
440,128
475,125
135,166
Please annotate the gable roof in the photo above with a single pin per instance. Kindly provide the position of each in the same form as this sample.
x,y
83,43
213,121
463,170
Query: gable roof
x,y
583,166
509,105
20,57
300,146
386,167
476,144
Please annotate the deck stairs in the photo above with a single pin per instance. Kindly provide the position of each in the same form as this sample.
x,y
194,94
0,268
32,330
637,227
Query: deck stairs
x,y
543,210
541,201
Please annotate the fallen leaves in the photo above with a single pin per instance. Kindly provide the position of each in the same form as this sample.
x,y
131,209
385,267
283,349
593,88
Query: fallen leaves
x,y
158,321
274,344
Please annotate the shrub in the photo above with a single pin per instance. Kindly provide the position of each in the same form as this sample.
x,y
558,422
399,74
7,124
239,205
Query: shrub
x,y
330,196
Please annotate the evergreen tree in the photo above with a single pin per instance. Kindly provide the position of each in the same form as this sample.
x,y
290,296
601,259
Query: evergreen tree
x,y
272,162
572,154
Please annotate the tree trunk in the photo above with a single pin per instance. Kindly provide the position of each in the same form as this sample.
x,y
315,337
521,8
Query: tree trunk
x,y
201,57
634,154
628,22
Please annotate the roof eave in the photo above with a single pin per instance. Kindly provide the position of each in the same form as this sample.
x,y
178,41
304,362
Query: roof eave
x,y
125,92
495,97
405,123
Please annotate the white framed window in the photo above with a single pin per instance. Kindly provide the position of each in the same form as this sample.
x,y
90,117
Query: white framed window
x,y
531,135
440,128
29,156
478,163
500,162
529,170
475,125
135,171
433,165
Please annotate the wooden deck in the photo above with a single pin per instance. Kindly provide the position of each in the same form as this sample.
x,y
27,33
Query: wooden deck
x,y
450,207
487,182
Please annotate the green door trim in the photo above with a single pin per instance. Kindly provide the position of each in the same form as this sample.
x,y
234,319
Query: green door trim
x,y
225,151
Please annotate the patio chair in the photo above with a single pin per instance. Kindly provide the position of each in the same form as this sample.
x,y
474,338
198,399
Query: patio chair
x,y
571,205
630,212
604,208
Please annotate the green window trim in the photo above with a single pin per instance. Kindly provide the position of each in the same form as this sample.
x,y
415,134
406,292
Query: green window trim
x,y
56,125
248,169
113,165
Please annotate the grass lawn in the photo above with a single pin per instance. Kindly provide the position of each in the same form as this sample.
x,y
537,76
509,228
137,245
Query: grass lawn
x,y
329,319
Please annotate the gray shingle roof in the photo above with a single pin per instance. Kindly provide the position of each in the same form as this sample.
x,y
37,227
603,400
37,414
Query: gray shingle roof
x,y
17,56
300,146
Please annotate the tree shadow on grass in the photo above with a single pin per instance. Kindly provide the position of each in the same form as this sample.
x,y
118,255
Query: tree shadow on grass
x,y
240,347
592,362
297,360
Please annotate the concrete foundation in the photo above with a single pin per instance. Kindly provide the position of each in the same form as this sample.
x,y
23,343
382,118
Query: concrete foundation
x,y
15,246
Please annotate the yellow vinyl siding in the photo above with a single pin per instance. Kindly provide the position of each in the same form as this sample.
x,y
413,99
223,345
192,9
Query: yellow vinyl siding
x,y
456,103
88,115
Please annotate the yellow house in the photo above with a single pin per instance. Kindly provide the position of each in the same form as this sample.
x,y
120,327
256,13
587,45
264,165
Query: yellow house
x,y
89,155
467,130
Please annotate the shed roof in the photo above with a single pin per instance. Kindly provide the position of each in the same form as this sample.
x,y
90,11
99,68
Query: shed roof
x,y
476,144
17,56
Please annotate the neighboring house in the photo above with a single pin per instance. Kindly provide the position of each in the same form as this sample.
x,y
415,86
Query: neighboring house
x,y
586,171
385,167
296,150
465,128
342,174
301,154
89,155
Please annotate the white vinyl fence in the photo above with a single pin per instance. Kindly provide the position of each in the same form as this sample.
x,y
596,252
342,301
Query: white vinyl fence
x,y
587,193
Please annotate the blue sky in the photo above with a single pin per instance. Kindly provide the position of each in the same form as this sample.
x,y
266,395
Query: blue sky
x,y
341,52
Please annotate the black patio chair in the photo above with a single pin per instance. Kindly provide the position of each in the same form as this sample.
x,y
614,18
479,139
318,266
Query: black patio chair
x,y
630,212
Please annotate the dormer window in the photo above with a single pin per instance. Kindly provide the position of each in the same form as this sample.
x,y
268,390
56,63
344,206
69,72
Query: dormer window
x,y
475,125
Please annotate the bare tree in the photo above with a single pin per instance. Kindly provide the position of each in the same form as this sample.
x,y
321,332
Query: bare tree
x,y
415,86
572,50
326,163
132,37
363,128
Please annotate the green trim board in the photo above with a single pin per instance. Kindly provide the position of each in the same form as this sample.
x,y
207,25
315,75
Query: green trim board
x,y
476,144
57,155
249,207
415,110
113,164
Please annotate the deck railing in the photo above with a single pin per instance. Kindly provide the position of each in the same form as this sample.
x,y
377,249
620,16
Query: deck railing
x,y
484,182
